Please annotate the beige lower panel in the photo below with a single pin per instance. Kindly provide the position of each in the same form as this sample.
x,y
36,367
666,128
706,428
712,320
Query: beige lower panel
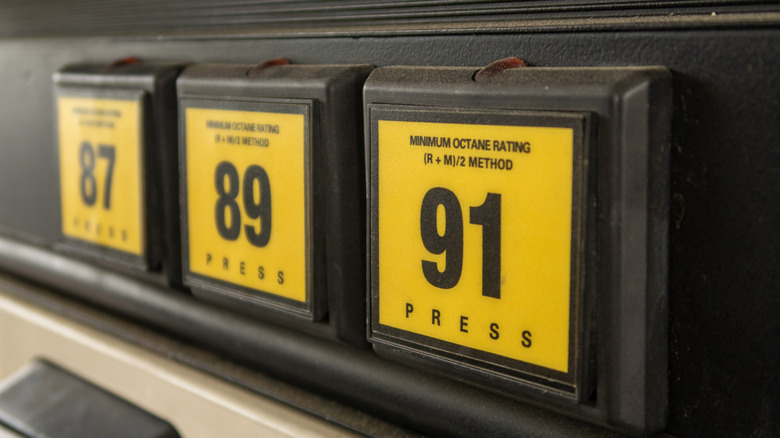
x,y
197,404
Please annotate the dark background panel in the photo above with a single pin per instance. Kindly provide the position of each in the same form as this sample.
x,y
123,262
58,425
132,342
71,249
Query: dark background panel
x,y
725,183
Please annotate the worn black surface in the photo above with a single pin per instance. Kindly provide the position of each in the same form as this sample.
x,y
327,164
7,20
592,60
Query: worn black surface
x,y
725,244
725,176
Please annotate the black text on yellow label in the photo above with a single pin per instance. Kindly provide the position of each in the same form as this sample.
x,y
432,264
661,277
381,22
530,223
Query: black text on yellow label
x,y
247,199
101,159
475,236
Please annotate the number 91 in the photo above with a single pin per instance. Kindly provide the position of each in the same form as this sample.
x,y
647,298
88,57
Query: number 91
x,y
450,243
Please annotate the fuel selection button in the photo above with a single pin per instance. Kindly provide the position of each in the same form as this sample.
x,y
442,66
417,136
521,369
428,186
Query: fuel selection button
x,y
272,192
117,152
477,253
517,231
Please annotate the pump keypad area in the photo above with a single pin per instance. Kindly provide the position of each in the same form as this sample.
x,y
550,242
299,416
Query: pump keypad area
x,y
474,229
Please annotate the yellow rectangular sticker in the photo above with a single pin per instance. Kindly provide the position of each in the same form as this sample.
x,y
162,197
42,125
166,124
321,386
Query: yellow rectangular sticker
x,y
101,185
475,237
247,194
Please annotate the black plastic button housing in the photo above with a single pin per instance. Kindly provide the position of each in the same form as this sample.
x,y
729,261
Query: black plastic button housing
x,y
152,87
328,99
618,334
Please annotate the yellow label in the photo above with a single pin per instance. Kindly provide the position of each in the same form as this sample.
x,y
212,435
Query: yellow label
x,y
246,199
101,187
475,236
